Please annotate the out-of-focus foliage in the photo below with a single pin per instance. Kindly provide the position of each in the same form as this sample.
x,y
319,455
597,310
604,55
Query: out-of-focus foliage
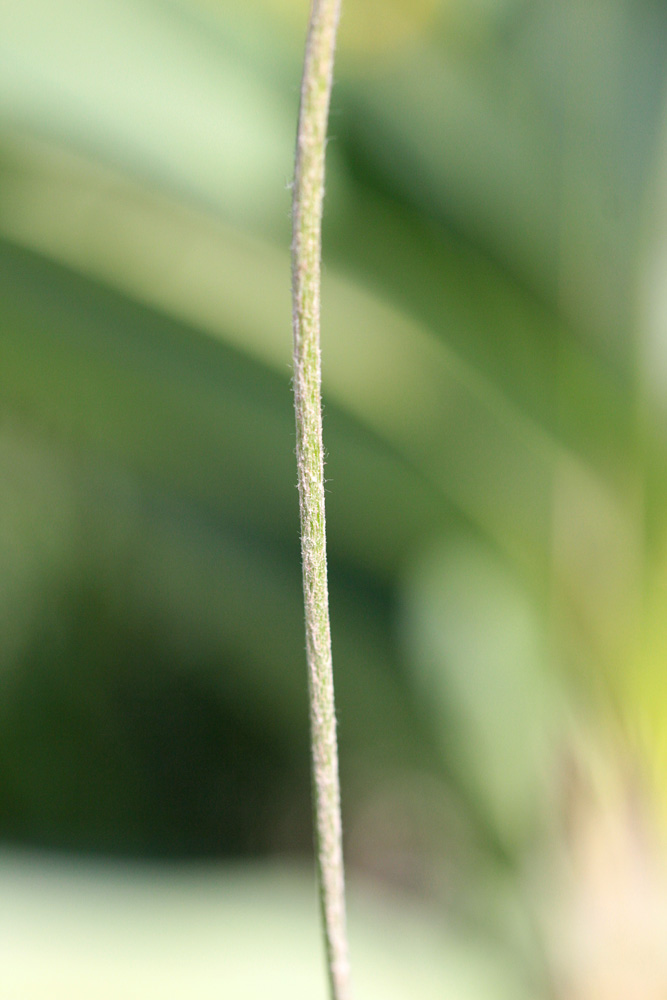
x,y
494,377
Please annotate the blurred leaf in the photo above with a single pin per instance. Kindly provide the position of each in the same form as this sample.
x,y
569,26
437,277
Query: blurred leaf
x,y
148,90
478,654
444,418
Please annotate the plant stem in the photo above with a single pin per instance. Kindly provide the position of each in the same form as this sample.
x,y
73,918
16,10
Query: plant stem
x,y
308,195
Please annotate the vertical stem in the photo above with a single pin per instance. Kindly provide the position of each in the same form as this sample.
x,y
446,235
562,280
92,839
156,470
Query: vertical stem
x,y
306,253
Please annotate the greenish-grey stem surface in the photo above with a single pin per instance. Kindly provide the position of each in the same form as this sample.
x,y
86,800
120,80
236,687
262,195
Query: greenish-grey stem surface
x,y
306,256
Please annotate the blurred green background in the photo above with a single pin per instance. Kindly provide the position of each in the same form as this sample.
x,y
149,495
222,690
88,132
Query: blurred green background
x,y
495,367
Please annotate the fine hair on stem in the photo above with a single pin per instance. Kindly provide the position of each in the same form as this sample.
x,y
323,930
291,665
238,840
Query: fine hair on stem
x,y
308,194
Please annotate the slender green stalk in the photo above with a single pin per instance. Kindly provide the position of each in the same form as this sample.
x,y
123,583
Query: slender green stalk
x,y
306,253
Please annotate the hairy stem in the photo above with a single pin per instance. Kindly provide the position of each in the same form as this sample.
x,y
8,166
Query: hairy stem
x,y
306,254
